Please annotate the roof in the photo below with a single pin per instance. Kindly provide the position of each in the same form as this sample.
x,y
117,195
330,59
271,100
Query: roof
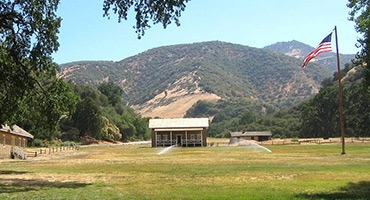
x,y
251,133
179,123
16,130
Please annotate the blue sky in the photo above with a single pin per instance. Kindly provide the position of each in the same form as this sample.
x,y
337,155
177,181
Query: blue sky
x,y
86,35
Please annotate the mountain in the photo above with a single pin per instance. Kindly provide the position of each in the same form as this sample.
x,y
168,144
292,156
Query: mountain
x,y
300,50
167,81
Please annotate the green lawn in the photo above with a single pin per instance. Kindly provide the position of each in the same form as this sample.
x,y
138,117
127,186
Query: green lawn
x,y
244,172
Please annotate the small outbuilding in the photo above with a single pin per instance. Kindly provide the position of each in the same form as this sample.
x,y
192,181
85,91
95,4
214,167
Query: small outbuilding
x,y
13,141
252,135
184,132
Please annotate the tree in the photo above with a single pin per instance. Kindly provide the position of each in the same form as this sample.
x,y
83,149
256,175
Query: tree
x,y
88,118
142,129
110,131
360,14
358,111
320,115
28,37
112,91
41,111
85,91
157,11
248,118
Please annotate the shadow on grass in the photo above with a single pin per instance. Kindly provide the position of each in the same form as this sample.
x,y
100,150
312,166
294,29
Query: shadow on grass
x,y
360,190
12,172
13,185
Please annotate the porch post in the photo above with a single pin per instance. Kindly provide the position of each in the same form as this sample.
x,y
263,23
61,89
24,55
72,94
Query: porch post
x,y
201,137
156,138
171,137
186,138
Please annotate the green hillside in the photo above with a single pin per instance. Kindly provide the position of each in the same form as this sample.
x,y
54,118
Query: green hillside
x,y
225,69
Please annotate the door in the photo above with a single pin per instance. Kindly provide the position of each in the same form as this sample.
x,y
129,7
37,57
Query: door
x,y
178,140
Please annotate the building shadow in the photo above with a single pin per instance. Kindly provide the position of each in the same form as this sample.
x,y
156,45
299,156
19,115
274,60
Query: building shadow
x,y
14,185
360,190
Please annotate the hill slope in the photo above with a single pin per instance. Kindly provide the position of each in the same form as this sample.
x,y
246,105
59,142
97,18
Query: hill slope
x,y
166,81
300,50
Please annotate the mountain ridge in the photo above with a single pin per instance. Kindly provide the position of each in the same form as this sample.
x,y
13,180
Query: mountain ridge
x,y
300,50
161,78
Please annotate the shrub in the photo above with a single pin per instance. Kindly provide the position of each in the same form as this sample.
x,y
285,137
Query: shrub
x,y
38,143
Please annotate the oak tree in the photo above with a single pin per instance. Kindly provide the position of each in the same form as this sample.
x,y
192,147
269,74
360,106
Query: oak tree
x,y
360,14
29,36
155,11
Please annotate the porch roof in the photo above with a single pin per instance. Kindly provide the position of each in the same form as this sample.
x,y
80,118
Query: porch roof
x,y
251,133
178,129
16,130
178,123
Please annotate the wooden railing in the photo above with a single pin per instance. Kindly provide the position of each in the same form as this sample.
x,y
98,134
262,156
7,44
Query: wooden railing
x,y
51,150
18,152
184,142
166,142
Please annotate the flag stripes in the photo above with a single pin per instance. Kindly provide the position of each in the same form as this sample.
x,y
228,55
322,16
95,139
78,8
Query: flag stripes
x,y
324,46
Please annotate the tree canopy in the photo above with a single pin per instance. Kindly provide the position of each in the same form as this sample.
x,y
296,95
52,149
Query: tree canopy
x,y
360,14
157,11
98,117
29,35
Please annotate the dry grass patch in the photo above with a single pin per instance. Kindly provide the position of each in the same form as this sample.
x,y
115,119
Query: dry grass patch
x,y
137,172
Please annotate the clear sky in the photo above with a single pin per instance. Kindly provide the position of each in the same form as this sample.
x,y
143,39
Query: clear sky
x,y
86,35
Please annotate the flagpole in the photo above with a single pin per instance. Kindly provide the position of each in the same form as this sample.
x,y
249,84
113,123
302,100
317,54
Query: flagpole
x,y
340,94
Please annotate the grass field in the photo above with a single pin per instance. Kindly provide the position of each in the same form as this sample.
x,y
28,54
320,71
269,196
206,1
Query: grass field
x,y
313,171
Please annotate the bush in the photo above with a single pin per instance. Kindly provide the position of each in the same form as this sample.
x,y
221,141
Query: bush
x,y
276,136
38,143
69,144
295,140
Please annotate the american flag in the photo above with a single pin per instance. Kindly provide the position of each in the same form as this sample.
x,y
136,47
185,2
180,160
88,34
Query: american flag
x,y
324,46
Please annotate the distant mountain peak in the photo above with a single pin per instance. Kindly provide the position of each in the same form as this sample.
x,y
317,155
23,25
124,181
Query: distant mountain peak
x,y
300,50
292,48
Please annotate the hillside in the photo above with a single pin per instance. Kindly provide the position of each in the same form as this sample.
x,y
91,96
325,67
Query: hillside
x,y
167,81
300,50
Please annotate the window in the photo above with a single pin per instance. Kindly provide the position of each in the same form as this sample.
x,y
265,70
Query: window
x,y
4,140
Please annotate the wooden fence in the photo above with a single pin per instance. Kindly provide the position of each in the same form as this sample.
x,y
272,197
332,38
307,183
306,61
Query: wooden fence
x,y
298,141
51,150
